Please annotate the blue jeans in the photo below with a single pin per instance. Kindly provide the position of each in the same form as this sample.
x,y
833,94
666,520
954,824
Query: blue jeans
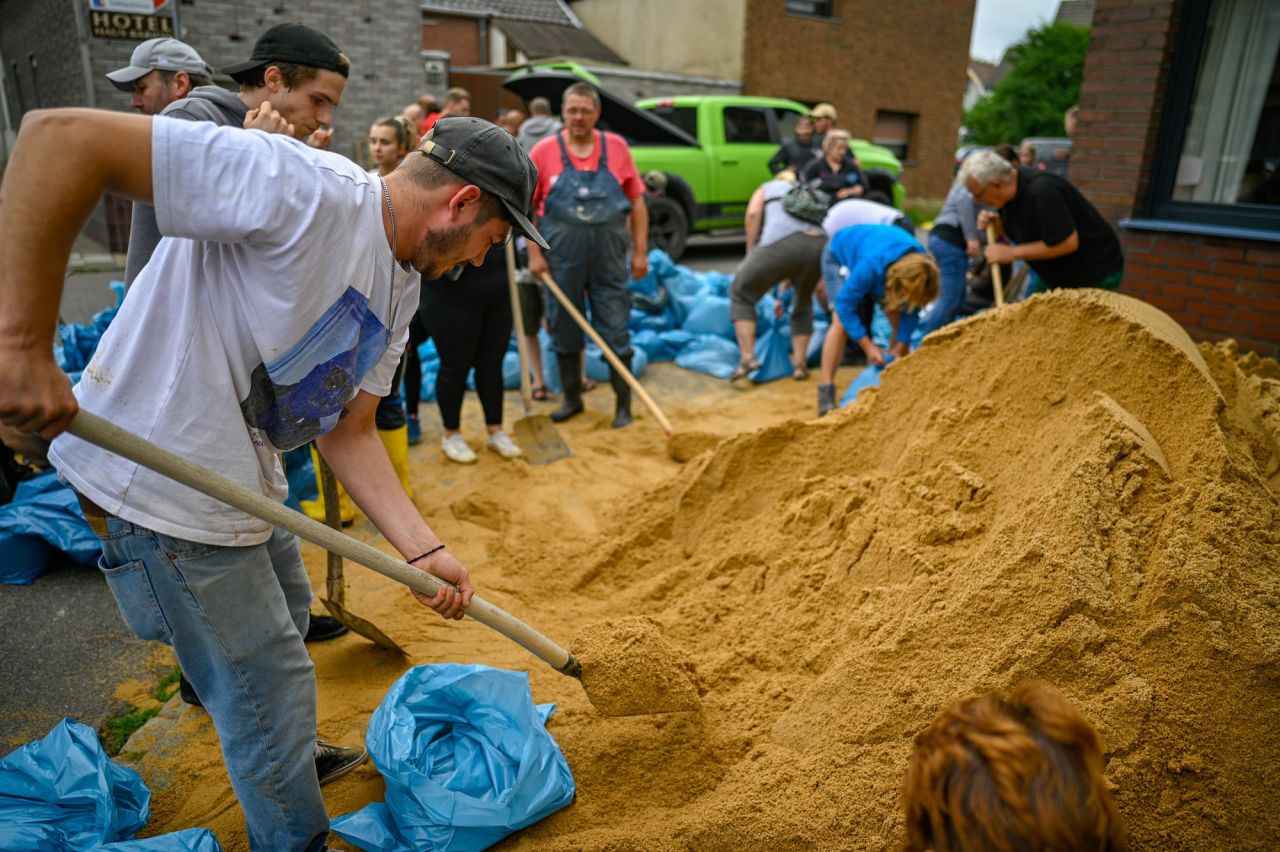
x,y
235,617
953,266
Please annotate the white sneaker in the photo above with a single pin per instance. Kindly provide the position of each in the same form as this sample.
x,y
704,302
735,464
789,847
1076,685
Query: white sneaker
x,y
500,442
456,449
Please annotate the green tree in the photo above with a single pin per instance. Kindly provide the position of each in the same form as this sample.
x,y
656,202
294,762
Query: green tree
x,y
1043,82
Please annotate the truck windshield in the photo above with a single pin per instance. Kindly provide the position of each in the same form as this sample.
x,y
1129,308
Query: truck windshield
x,y
686,118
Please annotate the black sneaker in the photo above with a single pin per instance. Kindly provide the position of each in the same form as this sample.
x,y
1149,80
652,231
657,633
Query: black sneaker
x,y
324,627
334,761
188,692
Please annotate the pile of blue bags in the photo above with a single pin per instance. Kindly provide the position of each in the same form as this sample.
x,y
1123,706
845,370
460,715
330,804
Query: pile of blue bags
x,y
467,760
63,792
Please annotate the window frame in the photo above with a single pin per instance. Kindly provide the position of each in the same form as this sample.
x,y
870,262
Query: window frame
x,y
829,15
1159,204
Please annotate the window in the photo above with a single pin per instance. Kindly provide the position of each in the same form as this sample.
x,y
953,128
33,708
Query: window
x,y
786,121
746,124
893,131
813,8
686,118
1218,156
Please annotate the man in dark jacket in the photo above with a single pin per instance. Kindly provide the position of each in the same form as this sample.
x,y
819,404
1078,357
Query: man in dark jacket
x,y
795,153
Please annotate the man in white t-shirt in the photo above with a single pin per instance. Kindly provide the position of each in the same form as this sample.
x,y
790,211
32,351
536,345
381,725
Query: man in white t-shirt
x,y
273,312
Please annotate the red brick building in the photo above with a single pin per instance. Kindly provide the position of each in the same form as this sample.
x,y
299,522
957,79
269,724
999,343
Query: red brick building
x,y
1178,145
894,71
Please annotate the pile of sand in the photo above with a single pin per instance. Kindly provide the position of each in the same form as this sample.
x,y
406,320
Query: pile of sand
x,y
1065,489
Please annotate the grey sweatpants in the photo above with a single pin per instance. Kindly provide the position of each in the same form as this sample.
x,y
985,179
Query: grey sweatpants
x,y
798,257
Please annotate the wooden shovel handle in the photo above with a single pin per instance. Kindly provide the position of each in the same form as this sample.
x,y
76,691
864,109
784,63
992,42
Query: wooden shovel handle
x,y
92,428
997,274
334,585
613,359
517,316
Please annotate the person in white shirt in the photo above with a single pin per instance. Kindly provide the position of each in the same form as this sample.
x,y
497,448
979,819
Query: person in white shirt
x,y
272,313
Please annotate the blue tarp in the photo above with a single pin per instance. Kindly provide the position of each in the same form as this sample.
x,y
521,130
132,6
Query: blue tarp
x,y
63,793
466,758
43,519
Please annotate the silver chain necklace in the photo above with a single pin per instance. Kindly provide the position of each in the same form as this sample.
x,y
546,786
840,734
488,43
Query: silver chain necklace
x,y
391,212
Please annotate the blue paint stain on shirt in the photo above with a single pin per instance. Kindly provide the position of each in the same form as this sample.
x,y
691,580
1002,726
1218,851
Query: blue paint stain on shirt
x,y
302,393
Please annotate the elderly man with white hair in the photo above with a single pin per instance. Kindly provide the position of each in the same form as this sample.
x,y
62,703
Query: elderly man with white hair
x,y
1053,227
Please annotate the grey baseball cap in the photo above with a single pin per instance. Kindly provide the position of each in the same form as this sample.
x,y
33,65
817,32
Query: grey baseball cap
x,y
484,154
159,54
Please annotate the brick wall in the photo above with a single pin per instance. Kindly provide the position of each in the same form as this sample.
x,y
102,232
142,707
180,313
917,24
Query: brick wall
x,y
1215,287
459,36
909,56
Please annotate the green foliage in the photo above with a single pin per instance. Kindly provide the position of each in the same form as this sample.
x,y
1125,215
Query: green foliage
x,y
1043,82
119,728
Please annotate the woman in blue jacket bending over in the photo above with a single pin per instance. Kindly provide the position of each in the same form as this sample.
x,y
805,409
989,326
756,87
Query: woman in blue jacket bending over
x,y
878,263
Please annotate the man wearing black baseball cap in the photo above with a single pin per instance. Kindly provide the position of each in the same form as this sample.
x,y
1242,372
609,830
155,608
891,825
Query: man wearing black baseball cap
x,y
278,316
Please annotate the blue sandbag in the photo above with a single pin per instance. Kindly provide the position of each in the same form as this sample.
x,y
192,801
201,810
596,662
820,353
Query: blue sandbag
x,y
466,758
660,347
511,370
63,792
43,519
710,316
868,378
710,354
300,472
76,343
598,367
773,351
188,840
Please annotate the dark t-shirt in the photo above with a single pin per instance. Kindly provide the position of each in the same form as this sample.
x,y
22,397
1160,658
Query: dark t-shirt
x,y
1049,208
820,173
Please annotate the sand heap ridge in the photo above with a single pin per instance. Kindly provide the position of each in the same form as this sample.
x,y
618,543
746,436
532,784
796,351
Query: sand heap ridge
x,y
1067,489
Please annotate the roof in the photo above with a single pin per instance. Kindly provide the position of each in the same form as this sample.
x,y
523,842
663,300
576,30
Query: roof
x,y
1078,12
539,41
543,11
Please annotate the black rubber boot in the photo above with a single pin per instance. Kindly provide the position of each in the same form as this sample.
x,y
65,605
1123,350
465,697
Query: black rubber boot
x,y
621,390
826,399
570,367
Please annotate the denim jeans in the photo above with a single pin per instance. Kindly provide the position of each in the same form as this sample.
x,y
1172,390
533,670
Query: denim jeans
x,y
953,265
235,617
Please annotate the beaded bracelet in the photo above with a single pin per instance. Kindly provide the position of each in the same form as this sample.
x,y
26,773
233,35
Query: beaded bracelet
x,y
436,549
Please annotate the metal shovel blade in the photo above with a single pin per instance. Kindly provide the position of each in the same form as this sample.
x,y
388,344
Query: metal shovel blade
x,y
362,626
540,440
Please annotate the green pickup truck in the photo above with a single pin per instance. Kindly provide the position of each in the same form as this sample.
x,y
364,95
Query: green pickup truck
x,y
713,149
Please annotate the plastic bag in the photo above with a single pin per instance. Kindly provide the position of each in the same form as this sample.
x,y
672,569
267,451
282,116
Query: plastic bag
x,y
76,343
661,346
43,519
63,792
710,354
598,367
773,351
466,758
710,316
188,840
813,357
868,378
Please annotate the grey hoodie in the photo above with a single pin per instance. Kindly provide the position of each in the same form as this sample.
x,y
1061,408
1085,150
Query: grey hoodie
x,y
206,103
535,129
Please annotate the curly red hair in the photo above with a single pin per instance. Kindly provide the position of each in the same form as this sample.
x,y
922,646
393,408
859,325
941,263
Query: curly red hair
x,y
1010,772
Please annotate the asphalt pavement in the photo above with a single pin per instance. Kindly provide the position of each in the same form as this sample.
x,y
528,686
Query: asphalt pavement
x,y
63,647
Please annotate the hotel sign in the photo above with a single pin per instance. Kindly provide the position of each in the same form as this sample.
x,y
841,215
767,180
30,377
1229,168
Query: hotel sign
x,y
129,26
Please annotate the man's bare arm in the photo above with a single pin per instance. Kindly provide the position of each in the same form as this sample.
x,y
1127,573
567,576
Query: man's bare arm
x,y
49,190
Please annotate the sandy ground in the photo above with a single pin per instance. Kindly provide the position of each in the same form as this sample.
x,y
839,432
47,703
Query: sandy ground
x,y
494,515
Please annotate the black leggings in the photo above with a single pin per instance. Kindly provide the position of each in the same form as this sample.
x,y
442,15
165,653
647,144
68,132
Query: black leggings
x,y
413,366
470,321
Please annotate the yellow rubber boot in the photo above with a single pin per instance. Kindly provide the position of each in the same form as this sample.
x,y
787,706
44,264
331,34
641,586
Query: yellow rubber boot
x,y
314,509
397,443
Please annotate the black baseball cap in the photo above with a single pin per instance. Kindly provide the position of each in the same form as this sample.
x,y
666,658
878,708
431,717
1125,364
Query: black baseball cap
x,y
484,154
294,43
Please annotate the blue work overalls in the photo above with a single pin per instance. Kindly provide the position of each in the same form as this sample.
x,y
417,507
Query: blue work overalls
x,y
585,222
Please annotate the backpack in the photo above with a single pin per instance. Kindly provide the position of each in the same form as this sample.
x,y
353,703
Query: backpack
x,y
807,203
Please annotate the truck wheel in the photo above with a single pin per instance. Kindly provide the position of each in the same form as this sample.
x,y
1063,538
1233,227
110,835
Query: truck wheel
x,y
668,225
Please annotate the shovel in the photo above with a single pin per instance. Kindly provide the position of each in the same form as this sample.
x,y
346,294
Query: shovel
x,y
630,672
613,359
997,274
535,433
334,586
